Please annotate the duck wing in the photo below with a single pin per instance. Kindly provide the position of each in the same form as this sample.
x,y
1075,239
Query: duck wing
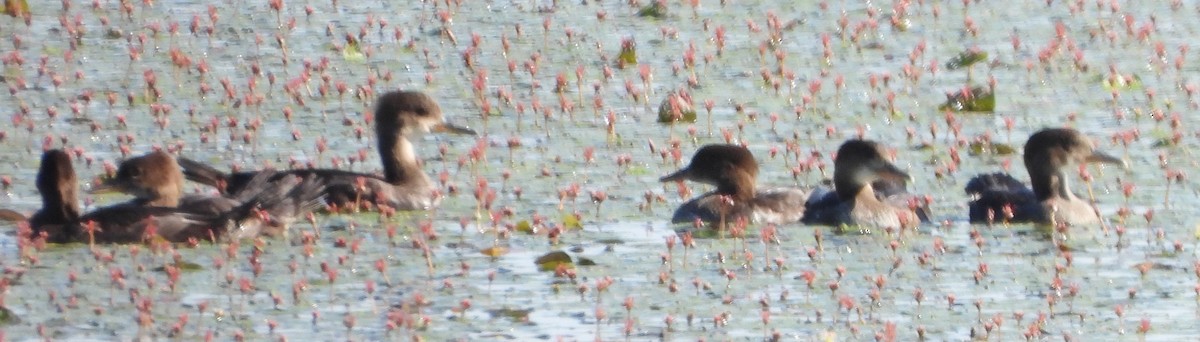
x,y
995,192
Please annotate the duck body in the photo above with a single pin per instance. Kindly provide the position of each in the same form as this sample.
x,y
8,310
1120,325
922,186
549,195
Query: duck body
x,y
774,206
265,204
59,219
851,201
402,185
733,170
860,167
1049,153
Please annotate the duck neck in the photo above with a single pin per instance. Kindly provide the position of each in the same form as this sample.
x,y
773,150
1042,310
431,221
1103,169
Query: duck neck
x,y
848,188
62,203
400,164
740,186
1049,184
864,195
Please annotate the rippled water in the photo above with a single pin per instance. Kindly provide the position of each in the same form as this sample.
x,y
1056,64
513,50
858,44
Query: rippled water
x,y
996,285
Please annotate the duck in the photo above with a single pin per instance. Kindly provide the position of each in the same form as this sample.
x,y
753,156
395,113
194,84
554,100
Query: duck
x,y
403,185
733,170
1048,155
60,220
868,191
156,180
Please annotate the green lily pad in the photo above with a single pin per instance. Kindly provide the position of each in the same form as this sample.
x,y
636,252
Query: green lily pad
x,y
980,99
571,221
656,9
980,148
628,54
551,261
1132,82
966,59
7,316
677,107
515,315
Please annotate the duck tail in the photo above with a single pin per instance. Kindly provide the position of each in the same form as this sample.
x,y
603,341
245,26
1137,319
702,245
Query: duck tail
x,y
203,173
273,204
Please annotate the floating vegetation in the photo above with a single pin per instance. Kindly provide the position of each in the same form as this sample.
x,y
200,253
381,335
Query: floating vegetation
x,y
7,316
16,8
978,99
1121,82
515,315
677,107
982,148
551,261
571,221
494,251
966,59
628,54
656,9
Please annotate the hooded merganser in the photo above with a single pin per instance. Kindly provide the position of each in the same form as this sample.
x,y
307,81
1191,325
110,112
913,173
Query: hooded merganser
x,y
859,168
1048,153
60,220
156,180
404,186
733,170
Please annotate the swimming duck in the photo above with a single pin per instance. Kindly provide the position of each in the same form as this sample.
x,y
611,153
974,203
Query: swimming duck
x,y
859,168
156,180
403,186
733,170
1048,154
60,221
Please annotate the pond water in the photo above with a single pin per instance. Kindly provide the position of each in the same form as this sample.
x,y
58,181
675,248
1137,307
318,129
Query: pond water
x,y
805,74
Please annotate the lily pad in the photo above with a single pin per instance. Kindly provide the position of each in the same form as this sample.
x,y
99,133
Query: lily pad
x,y
16,8
1119,82
515,315
571,221
628,54
677,107
494,251
979,99
656,9
182,266
7,316
980,148
551,261
525,227
966,59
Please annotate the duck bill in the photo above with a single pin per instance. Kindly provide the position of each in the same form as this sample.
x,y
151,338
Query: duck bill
x,y
677,176
106,186
1098,157
446,127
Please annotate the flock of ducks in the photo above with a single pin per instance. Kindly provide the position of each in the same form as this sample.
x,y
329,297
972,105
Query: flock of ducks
x,y
868,189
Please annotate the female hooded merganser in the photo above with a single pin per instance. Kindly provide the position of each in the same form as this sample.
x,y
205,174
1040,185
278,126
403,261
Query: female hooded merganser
x,y
60,220
404,186
733,170
859,167
1048,153
156,180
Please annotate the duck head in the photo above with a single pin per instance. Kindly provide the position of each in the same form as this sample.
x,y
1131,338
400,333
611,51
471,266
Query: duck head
x,y
1049,153
731,168
859,163
154,178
